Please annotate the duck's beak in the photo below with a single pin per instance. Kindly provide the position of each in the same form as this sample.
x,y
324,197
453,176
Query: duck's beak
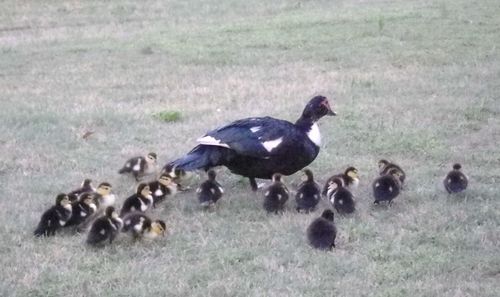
x,y
330,111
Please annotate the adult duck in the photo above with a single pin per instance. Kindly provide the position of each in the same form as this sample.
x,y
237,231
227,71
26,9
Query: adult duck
x,y
261,146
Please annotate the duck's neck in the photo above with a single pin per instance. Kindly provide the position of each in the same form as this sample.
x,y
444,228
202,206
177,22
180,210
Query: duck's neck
x,y
309,127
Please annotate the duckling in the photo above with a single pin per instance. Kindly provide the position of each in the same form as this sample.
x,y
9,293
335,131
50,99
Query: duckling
x,y
84,188
103,196
455,181
387,187
82,209
349,179
162,188
55,217
385,166
322,231
102,199
141,226
140,201
276,195
105,227
140,166
181,177
210,190
308,193
340,197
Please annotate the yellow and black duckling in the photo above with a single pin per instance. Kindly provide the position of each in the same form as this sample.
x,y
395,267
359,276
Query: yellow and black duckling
x,y
86,187
140,166
340,197
455,181
102,199
55,217
385,166
349,178
276,195
162,188
209,191
322,232
103,196
82,209
181,177
141,226
140,201
387,187
105,227
308,193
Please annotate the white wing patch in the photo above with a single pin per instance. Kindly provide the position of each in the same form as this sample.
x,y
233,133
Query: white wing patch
x,y
255,129
83,214
272,144
314,134
158,192
209,140
221,190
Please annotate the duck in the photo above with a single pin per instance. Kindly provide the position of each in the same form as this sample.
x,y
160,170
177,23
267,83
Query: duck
x,y
103,198
139,226
455,181
340,196
210,191
258,147
322,232
349,179
387,187
385,166
181,177
82,209
85,187
140,201
105,228
162,188
308,193
276,195
140,166
55,217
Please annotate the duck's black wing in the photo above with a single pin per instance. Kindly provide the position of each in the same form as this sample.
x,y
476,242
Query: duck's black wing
x,y
260,138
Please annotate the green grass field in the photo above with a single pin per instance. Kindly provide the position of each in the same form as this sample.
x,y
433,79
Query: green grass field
x,y
417,82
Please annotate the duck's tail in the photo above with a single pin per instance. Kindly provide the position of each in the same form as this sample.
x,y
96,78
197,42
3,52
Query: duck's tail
x,y
201,157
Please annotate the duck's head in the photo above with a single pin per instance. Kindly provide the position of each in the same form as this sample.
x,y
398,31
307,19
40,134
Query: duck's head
x,y
308,175
151,158
143,190
165,179
396,173
352,172
111,212
382,164
317,108
327,214
457,166
211,174
87,182
158,227
87,198
62,199
276,177
104,189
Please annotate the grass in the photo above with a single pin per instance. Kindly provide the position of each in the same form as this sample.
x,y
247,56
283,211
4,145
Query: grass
x,y
412,81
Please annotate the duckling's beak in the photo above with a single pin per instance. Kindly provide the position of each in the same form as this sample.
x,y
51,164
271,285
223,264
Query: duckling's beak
x,y
331,113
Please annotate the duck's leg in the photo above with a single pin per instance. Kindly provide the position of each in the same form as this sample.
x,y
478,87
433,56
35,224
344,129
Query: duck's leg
x,y
253,184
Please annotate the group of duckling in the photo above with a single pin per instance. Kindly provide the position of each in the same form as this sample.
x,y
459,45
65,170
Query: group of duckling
x,y
93,209
88,208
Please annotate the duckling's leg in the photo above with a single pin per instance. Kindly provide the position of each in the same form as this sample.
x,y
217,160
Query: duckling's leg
x,y
253,184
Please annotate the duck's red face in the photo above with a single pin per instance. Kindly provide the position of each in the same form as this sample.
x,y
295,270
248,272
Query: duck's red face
x,y
326,106
317,108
